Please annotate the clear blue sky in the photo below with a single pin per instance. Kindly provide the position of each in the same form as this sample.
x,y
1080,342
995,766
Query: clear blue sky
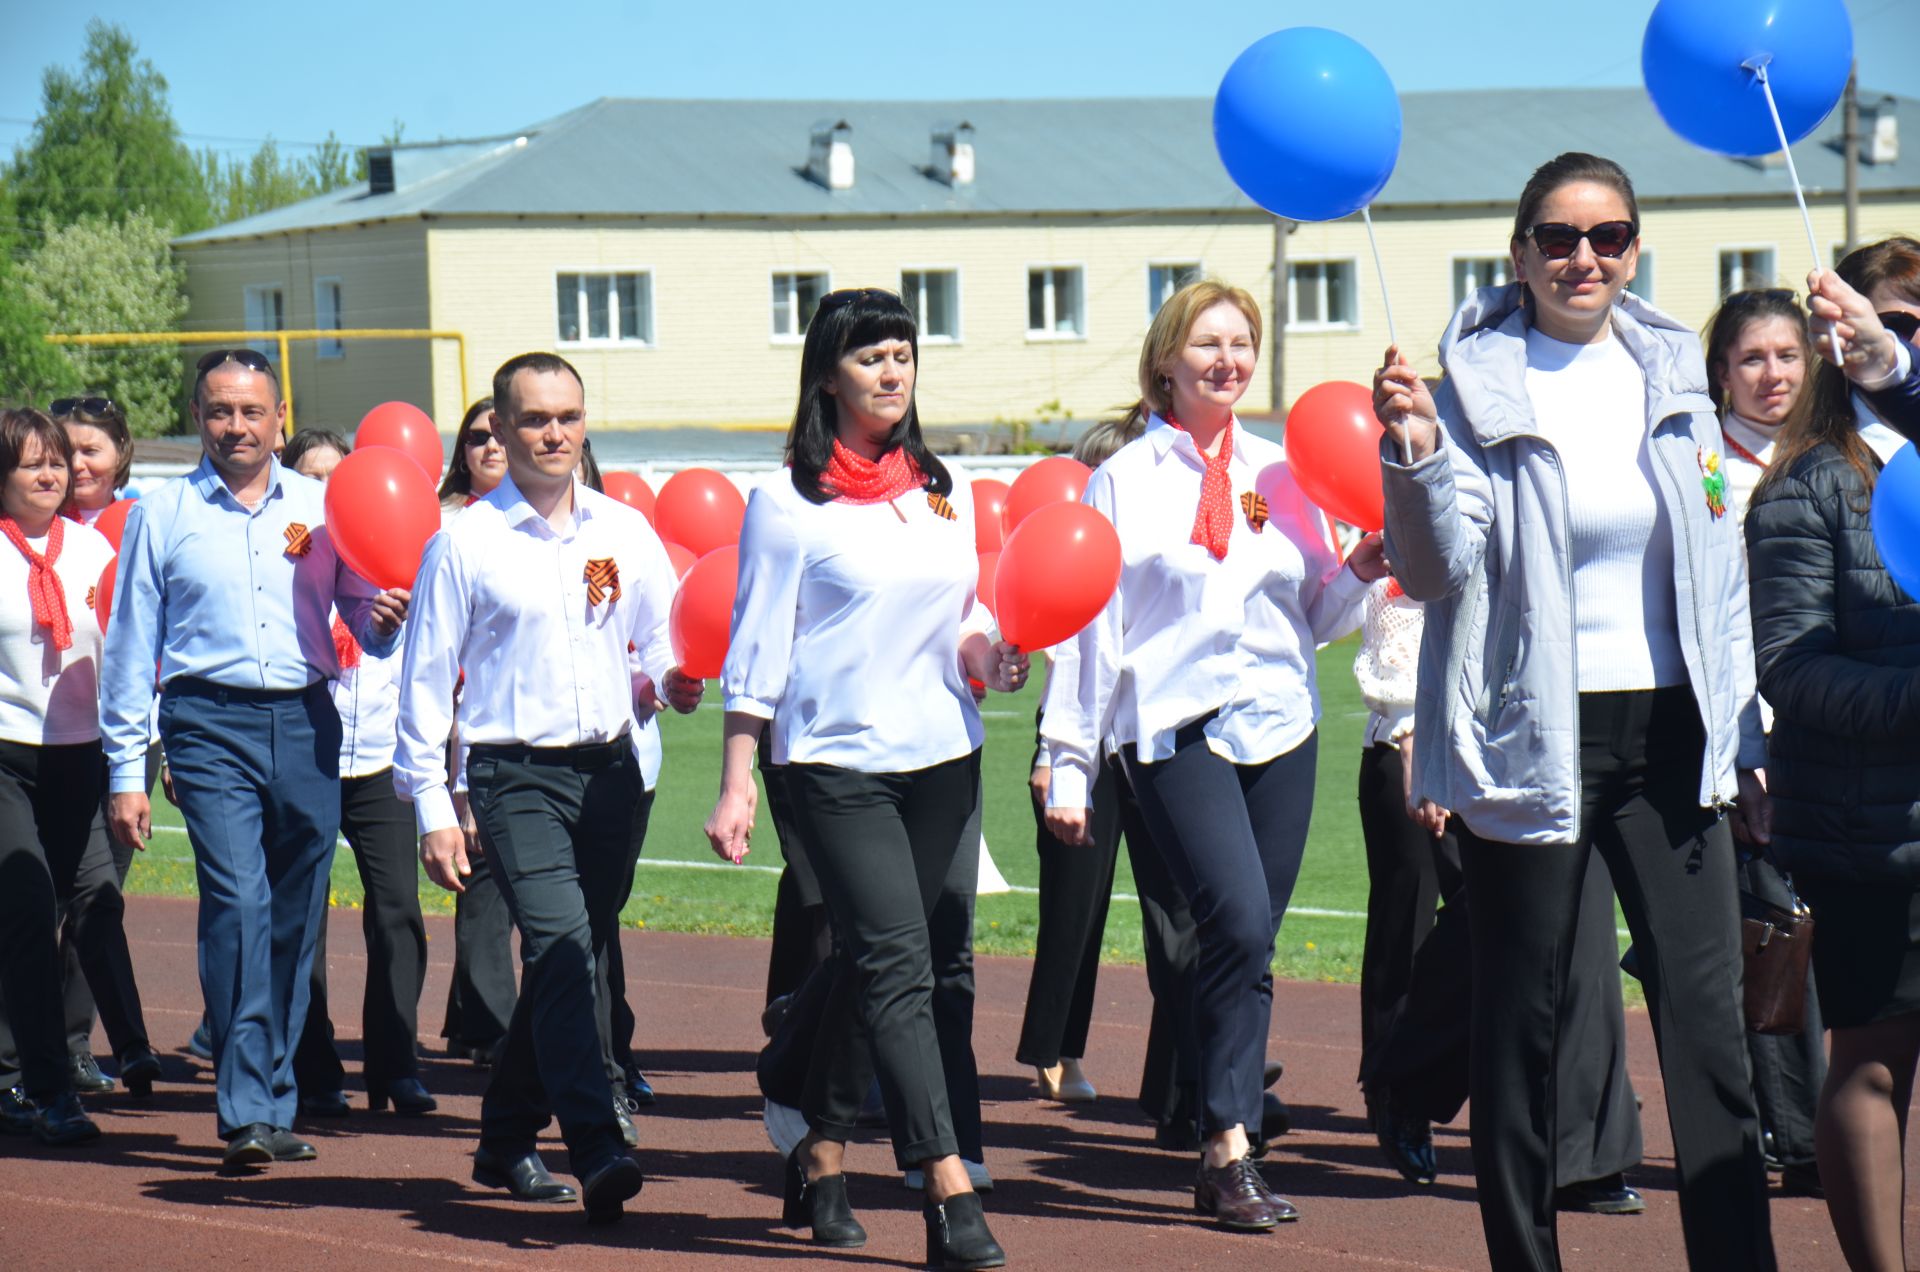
x,y
241,72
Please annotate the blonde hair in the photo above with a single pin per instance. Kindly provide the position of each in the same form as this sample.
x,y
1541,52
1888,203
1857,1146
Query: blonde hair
x,y
1168,334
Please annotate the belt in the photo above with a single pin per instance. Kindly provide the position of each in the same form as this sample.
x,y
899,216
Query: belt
x,y
586,757
195,687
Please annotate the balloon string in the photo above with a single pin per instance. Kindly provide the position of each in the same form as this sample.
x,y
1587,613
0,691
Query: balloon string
x,y
1759,69
1386,303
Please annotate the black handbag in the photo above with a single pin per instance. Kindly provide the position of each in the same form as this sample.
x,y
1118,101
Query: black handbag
x,y
1776,944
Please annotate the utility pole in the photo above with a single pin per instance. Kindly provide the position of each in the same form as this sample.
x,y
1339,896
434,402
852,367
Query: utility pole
x,y
1277,369
1850,150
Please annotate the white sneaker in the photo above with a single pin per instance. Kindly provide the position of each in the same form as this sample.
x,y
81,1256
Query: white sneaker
x,y
786,1127
916,1178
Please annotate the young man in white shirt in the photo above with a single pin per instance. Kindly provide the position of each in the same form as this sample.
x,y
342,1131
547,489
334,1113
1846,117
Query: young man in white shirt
x,y
553,600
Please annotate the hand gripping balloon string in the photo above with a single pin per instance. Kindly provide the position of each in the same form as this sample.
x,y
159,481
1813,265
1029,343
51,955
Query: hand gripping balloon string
x,y
1759,68
1386,303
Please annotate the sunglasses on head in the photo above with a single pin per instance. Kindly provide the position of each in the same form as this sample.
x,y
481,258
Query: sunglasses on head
x,y
1901,323
251,359
1558,241
80,406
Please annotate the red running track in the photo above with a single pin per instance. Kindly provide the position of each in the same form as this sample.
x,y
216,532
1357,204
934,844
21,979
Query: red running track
x,y
1079,1186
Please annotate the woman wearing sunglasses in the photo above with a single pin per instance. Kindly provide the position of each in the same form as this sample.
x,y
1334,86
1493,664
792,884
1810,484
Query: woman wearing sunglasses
x,y
855,631
1839,656
1586,685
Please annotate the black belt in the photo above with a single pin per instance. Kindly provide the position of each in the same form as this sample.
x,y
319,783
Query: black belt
x,y
195,687
583,758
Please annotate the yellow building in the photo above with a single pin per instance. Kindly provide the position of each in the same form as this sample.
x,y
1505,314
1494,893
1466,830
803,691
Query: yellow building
x,y
674,250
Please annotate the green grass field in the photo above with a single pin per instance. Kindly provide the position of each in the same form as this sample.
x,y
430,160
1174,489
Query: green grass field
x,y
681,886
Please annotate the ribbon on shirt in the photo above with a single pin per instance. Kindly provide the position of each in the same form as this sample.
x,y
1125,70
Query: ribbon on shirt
x,y
1213,518
1254,505
941,507
299,541
603,580
44,588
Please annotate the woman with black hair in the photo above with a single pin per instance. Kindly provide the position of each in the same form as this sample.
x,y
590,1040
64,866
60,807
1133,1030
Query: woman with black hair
x,y
855,630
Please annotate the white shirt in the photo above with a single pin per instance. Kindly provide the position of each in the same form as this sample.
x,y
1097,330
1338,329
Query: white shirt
x,y
1743,473
367,696
1387,666
1590,402
1185,634
51,697
847,629
504,596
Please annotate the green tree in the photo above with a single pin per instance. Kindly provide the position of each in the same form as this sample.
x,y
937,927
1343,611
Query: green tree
x,y
32,372
245,187
106,145
96,275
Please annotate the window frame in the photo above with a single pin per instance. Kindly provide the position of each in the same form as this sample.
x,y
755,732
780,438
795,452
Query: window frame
x,y
1047,335
1453,263
959,303
1720,254
329,350
776,336
1358,321
1199,268
268,349
1645,270
652,338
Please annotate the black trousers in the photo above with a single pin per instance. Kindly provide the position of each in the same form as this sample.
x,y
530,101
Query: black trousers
x,y
48,798
1672,864
1233,836
1076,884
482,993
1171,1070
617,1020
556,824
1788,1069
379,828
802,932
897,857
1419,1051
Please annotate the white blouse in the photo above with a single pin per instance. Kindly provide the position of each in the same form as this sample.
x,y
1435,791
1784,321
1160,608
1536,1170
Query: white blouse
x,y
1185,634
847,628
51,697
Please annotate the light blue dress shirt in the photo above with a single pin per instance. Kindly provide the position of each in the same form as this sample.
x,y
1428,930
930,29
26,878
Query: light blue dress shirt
x,y
212,589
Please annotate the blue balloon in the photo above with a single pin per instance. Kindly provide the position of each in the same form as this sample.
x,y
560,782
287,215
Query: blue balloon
x,y
1896,518
1697,60
1308,124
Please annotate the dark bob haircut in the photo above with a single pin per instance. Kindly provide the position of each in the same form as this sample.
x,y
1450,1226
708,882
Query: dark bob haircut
x,y
16,427
849,320
312,439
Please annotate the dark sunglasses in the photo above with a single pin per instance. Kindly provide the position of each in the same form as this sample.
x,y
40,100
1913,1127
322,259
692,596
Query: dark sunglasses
x,y
1901,323
477,437
1557,241
847,295
81,406
252,359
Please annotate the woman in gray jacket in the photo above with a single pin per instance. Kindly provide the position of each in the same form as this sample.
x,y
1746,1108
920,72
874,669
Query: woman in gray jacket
x,y
1586,684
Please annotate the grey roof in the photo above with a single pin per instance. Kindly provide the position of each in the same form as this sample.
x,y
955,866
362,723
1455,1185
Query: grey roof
x,y
625,157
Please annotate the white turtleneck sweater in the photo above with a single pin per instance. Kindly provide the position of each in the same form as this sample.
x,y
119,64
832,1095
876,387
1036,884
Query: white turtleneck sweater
x,y
1746,443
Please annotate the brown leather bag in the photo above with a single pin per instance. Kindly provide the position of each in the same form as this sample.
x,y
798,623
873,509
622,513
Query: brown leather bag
x,y
1777,944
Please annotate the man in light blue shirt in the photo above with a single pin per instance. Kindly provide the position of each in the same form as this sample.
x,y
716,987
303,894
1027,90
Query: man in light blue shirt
x,y
226,579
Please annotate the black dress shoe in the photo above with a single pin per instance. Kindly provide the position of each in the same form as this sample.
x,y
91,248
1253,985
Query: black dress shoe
x,y
409,1097
604,1188
526,1176
1405,1138
139,1070
1608,1195
16,1112
83,1072
324,1104
480,1053
62,1121
249,1146
957,1234
1271,1073
629,1133
820,1204
773,1013
288,1147
1238,1198
639,1090
1801,1179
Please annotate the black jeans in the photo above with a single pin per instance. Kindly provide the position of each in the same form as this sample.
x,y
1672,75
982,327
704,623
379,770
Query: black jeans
x,y
379,828
48,798
1232,836
1076,883
897,856
556,825
616,1013
802,932
1672,864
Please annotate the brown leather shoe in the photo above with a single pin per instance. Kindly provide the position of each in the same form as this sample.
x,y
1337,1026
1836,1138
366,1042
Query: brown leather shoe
x,y
1238,1198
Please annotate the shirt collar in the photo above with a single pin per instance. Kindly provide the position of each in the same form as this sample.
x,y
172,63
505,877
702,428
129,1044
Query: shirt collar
x,y
514,507
1166,437
207,480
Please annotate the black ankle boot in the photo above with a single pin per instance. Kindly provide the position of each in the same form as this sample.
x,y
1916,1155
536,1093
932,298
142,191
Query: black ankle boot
x,y
957,1236
820,1204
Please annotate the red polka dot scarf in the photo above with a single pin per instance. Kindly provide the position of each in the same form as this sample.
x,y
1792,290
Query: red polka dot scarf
x,y
1213,519
856,479
44,590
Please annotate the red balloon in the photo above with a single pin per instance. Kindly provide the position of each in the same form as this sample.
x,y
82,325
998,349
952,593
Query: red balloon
x,y
989,567
699,625
632,490
103,592
700,510
1057,572
1055,479
1333,447
112,521
989,510
682,560
381,510
404,427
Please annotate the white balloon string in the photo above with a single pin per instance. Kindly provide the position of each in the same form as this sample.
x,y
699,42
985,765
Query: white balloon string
x,y
1386,303
1799,196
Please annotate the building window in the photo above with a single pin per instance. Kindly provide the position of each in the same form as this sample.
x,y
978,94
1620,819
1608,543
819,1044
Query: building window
x,y
327,316
266,310
1742,268
1470,272
1321,294
605,308
1056,302
1164,280
1642,284
933,297
795,298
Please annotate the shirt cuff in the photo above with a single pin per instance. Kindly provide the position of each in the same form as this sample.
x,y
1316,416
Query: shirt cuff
x,y
1902,368
433,810
748,706
1346,587
129,777
1071,784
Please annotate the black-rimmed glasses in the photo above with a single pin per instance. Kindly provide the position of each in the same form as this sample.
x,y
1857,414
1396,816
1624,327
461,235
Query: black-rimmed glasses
x,y
1558,241
1900,323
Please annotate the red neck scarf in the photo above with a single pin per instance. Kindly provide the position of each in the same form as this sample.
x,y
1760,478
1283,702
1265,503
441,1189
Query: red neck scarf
x,y
346,650
1213,519
43,585
858,480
